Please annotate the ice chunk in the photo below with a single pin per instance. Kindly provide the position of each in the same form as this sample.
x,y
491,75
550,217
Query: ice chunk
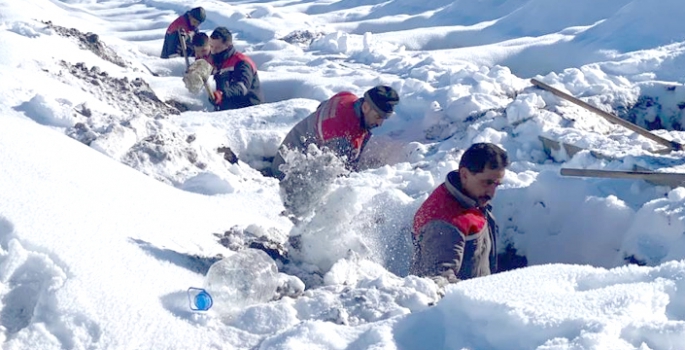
x,y
245,278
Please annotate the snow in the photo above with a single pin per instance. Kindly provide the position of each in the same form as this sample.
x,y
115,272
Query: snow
x,y
115,201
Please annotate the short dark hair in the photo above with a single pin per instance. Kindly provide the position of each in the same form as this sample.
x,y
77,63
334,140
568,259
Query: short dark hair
x,y
200,39
222,33
480,155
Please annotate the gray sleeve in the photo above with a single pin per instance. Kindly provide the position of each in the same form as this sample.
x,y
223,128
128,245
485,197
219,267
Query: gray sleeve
x,y
438,251
343,148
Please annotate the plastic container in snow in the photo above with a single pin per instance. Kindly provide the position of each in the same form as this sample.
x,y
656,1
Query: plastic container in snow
x,y
199,299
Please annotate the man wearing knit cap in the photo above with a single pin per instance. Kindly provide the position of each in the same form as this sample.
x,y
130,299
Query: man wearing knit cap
x,y
342,124
183,28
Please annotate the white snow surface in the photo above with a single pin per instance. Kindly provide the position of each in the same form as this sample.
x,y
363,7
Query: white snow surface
x,y
112,207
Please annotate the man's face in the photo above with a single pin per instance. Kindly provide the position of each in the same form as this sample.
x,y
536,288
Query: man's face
x,y
481,187
194,22
201,51
372,118
218,45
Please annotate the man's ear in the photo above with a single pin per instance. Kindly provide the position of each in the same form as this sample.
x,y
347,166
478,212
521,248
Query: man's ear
x,y
365,107
463,173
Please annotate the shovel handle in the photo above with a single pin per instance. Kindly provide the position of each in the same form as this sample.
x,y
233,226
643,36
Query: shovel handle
x,y
184,47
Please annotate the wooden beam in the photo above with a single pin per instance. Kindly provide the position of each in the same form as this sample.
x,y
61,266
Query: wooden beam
x,y
610,117
665,179
571,150
549,145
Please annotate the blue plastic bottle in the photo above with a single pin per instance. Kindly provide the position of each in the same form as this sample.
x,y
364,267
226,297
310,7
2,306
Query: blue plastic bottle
x,y
199,299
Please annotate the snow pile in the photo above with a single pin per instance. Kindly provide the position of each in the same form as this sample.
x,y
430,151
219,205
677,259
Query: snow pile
x,y
174,187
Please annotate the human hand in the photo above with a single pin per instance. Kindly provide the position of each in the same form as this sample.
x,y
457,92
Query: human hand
x,y
216,98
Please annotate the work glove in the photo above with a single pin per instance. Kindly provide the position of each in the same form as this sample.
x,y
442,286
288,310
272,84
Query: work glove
x,y
217,98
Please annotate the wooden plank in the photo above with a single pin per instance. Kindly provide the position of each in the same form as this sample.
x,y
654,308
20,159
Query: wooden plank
x,y
665,179
549,145
610,117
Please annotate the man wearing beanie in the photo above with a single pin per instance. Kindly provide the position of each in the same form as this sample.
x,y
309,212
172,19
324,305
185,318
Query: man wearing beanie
x,y
184,27
342,123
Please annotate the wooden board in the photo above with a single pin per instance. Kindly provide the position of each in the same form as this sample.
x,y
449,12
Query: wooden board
x,y
549,145
637,173
665,179
672,145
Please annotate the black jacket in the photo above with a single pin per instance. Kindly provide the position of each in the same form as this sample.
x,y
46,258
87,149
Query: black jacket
x,y
236,77
172,42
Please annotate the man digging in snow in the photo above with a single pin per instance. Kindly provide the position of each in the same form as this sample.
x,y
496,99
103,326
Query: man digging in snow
x,y
201,46
454,232
182,28
235,74
197,74
342,125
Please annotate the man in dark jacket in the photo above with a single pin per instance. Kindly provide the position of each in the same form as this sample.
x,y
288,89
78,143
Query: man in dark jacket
x,y
342,124
454,232
183,28
237,82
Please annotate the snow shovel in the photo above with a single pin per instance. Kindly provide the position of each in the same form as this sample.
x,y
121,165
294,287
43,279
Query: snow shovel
x,y
204,80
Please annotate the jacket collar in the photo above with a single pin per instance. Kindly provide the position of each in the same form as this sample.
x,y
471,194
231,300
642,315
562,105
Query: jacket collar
x,y
453,184
222,56
358,112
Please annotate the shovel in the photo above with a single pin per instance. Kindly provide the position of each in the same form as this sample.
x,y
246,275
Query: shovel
x,y
184,47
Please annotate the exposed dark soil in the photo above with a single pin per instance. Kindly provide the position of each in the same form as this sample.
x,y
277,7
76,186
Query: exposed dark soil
x,y
89,41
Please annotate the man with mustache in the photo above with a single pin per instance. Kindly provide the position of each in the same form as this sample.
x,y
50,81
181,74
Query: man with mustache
x,y
454,232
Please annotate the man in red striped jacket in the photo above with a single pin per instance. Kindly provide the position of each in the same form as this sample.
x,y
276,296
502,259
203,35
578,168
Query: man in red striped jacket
x,y
188,23
342,124
235,74
454,232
